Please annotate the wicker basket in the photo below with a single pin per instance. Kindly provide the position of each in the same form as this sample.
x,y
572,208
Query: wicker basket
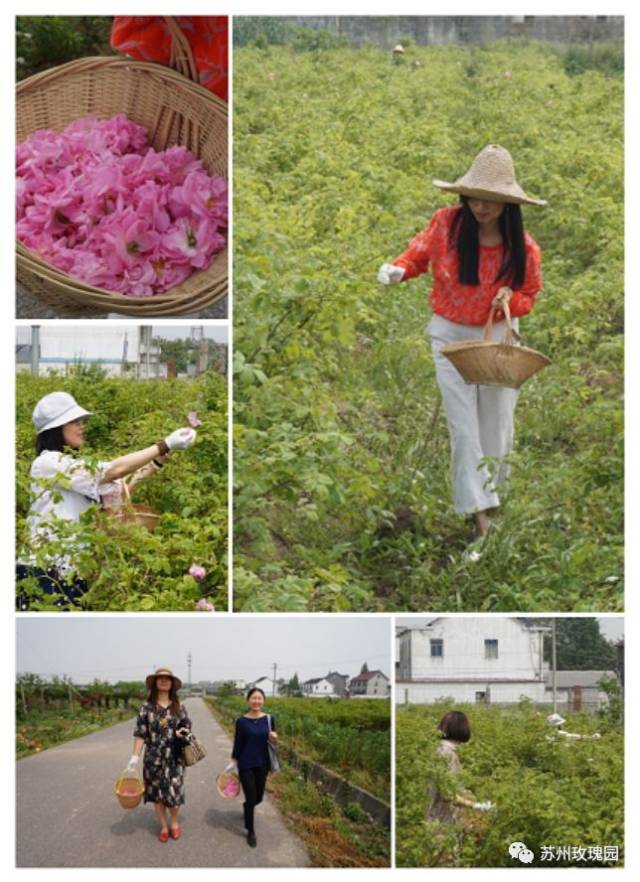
x,y
487,363
129,789
175,111
228,785
134,512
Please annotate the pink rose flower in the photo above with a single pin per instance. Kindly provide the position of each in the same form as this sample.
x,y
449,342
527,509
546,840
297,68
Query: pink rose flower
x,y
204,605
197,571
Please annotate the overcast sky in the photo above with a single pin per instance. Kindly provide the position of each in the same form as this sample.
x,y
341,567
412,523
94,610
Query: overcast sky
x,y
611,627
222,647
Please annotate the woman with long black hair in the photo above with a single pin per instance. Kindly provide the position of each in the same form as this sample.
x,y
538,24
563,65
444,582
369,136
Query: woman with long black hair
x,y
64,485
481,258
161,728
254,731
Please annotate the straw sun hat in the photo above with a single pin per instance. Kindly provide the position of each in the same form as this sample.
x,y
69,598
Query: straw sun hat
x,y
163,672
491,176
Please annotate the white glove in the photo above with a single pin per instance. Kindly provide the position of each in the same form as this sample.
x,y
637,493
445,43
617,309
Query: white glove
x,y
231,767
484,806
133,763
181,439
388,274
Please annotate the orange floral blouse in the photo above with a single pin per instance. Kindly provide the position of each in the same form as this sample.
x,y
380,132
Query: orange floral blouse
x,y
466,304
146,38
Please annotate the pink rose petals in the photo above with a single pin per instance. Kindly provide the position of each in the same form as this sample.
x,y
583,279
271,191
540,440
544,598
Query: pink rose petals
x,y
99,204
197,571
193,420
204,605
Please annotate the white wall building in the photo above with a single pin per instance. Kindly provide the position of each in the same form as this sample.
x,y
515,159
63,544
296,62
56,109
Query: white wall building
x,y
482,659
371,684
319,687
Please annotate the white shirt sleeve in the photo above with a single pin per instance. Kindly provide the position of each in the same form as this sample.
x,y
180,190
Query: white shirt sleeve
x,y
80,479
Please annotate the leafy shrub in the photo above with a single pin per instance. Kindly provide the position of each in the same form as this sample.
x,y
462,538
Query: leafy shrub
x,y
126,566
343,498
546,791
44,41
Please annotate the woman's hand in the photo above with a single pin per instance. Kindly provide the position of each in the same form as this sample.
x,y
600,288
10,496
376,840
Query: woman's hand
x,y
389,274
181,439
503,296
182,732
273,736
133,762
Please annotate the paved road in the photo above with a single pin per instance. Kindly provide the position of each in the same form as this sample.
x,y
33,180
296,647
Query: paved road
x,y
68,816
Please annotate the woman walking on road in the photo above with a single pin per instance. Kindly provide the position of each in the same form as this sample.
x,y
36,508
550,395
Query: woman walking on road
x,y
64,485
161,728
481,258
254,731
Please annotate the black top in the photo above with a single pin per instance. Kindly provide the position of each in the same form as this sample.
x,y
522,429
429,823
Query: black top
x,y
250,742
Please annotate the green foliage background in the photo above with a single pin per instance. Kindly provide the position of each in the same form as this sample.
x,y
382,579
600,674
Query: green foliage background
x,y
546,792
126,566
350,736
341,447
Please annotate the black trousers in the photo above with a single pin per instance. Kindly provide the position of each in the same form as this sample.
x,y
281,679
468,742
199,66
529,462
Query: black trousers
x,y
66,594
253,782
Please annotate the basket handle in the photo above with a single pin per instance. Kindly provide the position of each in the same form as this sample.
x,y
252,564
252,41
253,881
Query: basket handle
x,y
510,336
182,59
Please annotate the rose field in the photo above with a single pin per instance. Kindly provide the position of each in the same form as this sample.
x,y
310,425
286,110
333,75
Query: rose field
x,y
548,793
126,566
342,486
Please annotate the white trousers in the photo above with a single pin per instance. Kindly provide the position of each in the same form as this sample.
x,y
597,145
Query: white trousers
x,y
480,420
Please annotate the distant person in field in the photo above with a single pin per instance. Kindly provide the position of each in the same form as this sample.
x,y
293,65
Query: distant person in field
x,y
558,722
255,730
64,485
481,258
455,730
161,729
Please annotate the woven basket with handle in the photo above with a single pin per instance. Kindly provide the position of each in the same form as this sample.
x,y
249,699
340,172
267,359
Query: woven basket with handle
x,y
490,363
129,789
134,512
175,110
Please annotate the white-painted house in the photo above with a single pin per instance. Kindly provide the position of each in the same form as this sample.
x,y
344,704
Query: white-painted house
x,y
319,687
370,684
483,659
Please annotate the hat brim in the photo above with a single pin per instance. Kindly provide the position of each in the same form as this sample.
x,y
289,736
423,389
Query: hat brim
x,y
69,415
514,198
152,677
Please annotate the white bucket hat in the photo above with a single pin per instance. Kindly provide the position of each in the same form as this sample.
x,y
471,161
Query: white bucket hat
x,y
56,409
491,176
555,720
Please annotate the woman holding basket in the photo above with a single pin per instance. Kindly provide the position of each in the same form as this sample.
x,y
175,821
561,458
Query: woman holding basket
x,y
162,728
481,259
255,730
64,485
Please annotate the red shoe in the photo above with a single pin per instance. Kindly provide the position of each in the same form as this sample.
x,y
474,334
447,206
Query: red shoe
x,y
176,832
163,836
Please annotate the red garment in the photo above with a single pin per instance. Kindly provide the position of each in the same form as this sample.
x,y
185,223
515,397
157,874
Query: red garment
x,y
466,304
146,38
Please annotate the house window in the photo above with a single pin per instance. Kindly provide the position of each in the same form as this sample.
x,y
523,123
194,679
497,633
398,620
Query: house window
x,y
437,648
481,697
491,649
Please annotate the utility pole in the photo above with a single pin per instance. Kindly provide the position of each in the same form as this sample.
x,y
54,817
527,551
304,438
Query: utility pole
x,y
275,670
553,665
35,350
189,669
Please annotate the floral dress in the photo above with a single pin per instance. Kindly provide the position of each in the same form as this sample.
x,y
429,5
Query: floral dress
x,y
163,768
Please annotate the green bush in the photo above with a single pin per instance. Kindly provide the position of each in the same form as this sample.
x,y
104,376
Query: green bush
x,y
44,41
343,497
126,566
546,791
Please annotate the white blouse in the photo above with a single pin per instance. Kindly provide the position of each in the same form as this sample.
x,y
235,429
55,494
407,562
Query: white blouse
x,y
77,489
